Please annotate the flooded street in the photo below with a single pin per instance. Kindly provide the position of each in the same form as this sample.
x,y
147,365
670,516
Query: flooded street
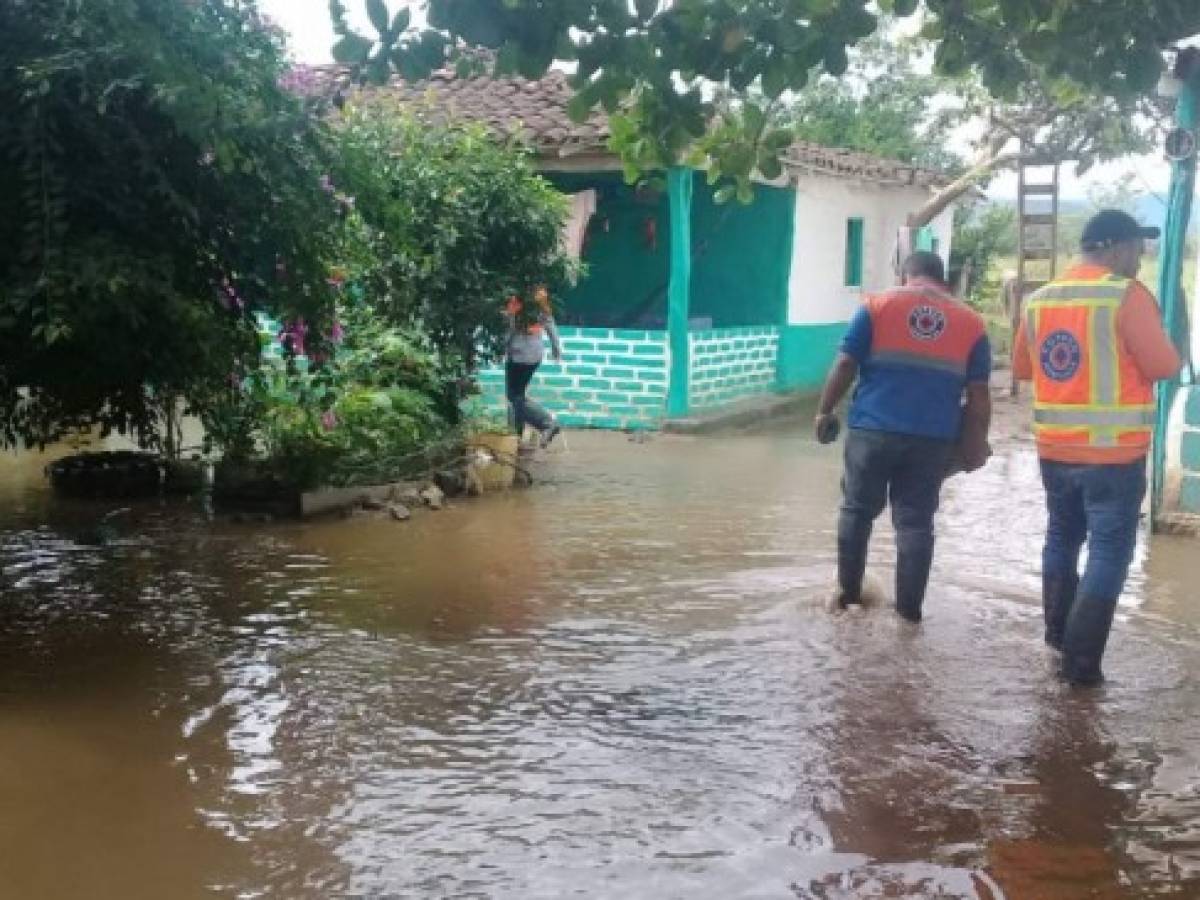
x,y
620,684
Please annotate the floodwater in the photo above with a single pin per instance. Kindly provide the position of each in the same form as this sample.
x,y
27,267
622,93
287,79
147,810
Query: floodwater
x,y
620,684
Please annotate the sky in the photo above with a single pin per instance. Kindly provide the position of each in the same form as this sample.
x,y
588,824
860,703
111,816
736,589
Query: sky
x,y
307,21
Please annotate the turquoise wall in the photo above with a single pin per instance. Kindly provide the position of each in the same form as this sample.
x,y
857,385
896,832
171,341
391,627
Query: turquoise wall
x,y
805,354
625,285
608,379
1189,453
741,256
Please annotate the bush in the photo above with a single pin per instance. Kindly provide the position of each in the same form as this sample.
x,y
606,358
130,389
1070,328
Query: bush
x,y
456,222
160,184
369,413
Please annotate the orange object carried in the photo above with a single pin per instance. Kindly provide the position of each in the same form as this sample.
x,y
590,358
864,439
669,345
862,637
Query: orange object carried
x,y
514,308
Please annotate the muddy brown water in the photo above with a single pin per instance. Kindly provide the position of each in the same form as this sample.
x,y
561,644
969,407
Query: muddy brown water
x,y
620,684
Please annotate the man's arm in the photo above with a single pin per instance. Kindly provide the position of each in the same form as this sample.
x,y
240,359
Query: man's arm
x,y
1021,362
1140,325
856,346
552,333
973,447
837,383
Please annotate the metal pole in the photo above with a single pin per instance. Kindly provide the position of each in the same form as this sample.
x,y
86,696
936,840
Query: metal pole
x,y
1170,273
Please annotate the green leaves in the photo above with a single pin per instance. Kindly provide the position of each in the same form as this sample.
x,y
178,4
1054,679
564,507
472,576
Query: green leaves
x,y
352,50
377,11
191,162
646,9
662,50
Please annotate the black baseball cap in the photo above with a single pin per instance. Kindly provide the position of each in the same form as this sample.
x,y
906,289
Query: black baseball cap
x,y
1111,226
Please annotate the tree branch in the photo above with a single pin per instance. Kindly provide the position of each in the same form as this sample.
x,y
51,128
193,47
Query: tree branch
x,y
938,202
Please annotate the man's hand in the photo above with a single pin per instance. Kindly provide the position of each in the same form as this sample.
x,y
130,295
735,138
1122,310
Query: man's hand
x,y
969,459
826,427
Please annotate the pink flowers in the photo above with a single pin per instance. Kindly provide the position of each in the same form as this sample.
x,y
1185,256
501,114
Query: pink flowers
x,y
229,297
292,337
329,420
303,81
338,333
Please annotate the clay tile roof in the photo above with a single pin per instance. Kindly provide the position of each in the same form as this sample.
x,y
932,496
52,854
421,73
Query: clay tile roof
x,y
535,112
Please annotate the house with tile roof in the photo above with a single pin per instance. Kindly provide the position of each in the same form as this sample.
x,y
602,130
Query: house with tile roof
x,y
687,305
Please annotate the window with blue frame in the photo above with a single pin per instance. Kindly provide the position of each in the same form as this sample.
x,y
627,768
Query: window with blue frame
x,y
854,252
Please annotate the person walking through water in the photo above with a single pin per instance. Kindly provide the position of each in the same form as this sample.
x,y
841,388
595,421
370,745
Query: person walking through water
x,y
1093,344
917,353
523,355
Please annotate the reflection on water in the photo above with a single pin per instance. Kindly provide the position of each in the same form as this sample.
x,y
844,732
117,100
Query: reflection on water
x,y
620,684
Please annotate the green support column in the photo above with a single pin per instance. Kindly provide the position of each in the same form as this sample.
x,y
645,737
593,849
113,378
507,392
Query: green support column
x,y
679,187
1171,253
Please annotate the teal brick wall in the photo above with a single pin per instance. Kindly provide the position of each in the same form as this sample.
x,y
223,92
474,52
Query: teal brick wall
x,y
608,379
729,364
1189,453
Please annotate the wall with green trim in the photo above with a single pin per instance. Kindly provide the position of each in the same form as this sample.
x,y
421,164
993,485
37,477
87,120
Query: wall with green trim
x,y
730,364
608,379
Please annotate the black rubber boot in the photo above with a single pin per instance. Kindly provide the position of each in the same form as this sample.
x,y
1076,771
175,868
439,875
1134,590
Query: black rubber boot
x,y
1084,640
912,577
1058,596
852,568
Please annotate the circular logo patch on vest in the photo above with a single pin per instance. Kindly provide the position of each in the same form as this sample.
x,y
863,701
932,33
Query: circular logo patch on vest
x,y
1061,355
926,323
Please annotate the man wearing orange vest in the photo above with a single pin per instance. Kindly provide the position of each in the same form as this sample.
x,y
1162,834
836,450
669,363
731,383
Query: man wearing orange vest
x,y
916,351
1093,344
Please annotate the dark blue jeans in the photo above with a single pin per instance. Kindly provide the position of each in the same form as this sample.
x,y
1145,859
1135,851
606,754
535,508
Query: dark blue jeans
x,y
908,472
524,410
1099,504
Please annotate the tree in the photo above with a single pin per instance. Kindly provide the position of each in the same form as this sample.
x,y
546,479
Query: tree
x,y
160,185
652,63
887,103
980,235
454,224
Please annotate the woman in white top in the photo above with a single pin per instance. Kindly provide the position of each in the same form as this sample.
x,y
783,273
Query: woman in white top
x,y
524,353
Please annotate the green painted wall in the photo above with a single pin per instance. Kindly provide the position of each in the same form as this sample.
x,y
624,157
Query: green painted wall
x,y
626,281
741,256
805,354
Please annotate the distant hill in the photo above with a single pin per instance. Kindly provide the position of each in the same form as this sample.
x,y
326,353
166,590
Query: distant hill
x,y
1148,209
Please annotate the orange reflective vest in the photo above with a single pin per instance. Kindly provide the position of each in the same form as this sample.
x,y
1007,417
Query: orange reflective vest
x,y
925,326
1087,390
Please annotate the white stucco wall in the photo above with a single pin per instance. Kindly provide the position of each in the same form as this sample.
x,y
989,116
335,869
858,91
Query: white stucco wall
x,y
817,293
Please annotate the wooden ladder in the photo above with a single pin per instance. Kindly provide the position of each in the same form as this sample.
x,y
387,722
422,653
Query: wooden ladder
x,y
1037,236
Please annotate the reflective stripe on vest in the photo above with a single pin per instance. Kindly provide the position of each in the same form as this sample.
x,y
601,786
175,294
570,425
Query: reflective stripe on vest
x,y
899,357
1091,417
1100,414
